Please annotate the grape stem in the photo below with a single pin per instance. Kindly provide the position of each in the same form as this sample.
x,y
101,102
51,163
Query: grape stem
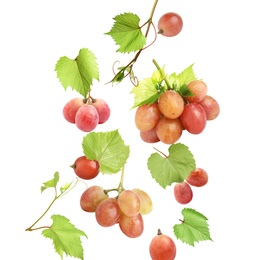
x,y
161,73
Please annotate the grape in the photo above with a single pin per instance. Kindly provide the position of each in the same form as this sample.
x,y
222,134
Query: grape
x,y
147,116
162,247
129,203
210,106
199,90
169,130
183,192
91,197
131,226
197,178
149,136
71,107
102,108
146,202
86,169
87,118
193,118
171,104
108,212
170,24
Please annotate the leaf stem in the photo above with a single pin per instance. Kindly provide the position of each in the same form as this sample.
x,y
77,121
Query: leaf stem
x,y
160,152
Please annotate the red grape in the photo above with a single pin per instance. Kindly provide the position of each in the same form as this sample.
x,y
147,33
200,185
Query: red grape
x,y
86,169
197,178
71,107
199,90
149,136
183,192
170,24
102,108
210,106
193,118
87,118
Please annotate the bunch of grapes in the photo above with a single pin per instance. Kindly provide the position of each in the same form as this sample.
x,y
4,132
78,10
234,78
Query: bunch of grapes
x,y
86,113
172,113
126,209
183,192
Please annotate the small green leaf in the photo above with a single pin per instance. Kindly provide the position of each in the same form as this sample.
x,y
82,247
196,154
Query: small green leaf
x,y
65,237
51,183
158,76
78,73
194,227
185,91
127,33
108,149
173,168
65,187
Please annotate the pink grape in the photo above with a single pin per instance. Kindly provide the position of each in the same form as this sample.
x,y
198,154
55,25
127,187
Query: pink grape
x,y
146,202
102,108
170,24
91,197
183,192
210,106
131,226
198,178
199,90
149,136
71,107
87,118
162,247
171,104
108,212
147,116
169,130
193,118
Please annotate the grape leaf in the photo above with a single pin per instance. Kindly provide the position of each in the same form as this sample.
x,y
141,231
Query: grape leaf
x,y
146,92
178,80
78,73
108,149
51,183
127,33
65,236
194,227
173,168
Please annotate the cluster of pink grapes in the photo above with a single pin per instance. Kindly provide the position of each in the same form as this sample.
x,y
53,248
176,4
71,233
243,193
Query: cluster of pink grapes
x,y
126,209
86,114
183,192
166,119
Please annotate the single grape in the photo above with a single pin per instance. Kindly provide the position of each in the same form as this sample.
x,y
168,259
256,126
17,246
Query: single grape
x,y
147,116
183,192
171,104
91,197
87,118
197,178
210,106
71,107
85,169
199,90
108,212
146,202
193,118
169,130
102,108
131,226
129,203
149,136
162,247
170,24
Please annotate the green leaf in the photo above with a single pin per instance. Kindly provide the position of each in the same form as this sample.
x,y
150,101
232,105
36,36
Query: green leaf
x,y
173,168
185,91
182,78
65,237
78,73
65,187
127,33
108,149
146,92
194,227
51,183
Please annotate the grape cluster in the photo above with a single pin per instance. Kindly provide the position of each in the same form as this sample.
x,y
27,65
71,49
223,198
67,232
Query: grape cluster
x,y
126,209
183,192
86,114
172,113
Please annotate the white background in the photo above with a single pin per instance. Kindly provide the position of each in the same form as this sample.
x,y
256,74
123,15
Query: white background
x,y
220,37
